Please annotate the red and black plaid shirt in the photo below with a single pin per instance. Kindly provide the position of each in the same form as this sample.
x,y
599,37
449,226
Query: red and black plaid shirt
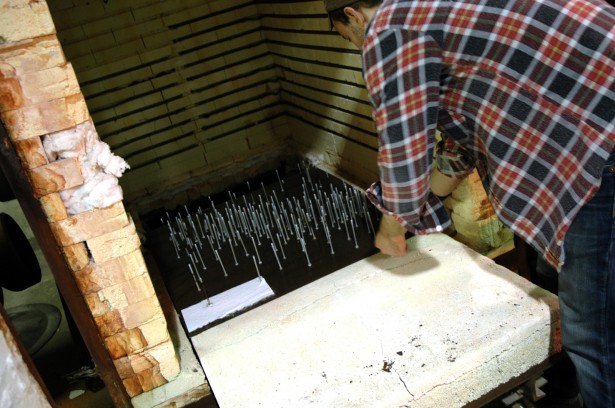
x,y
522,90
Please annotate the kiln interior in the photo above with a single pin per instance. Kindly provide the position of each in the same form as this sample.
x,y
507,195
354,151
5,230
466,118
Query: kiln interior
x,y
291,226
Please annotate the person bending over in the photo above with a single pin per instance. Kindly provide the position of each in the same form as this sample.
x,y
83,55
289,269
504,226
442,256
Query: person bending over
x,y
524,92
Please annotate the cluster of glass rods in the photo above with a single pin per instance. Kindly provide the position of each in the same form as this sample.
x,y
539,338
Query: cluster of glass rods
x,y
263,220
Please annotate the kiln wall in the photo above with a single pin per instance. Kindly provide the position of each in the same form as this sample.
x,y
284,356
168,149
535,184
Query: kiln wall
x,y
198,95
322,88
181,90
187,89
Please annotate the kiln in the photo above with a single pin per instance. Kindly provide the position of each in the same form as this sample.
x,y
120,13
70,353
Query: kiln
x,y
286,232
442,326
196,96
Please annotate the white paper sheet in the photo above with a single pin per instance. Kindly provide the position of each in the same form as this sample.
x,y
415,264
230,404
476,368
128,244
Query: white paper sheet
x,y
226,303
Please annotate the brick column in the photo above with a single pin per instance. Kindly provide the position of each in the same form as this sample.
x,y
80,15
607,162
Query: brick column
x,y
39,95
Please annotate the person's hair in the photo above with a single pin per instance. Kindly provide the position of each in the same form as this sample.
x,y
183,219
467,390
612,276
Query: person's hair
x,y
338,14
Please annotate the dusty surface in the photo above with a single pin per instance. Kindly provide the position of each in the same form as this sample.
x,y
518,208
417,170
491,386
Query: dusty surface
x,y
440,327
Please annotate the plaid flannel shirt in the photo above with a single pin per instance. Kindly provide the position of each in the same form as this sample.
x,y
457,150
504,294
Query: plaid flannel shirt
x,y
522,90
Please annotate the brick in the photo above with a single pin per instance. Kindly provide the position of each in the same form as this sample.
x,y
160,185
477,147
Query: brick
x,y
223,149
170,369
97,305
121,269
142,361
110,323
108,114
35,87
22,19
166,80
138,289
151,378
143,29
114,296
115,22
83,11
167,360
84,62
155,332
126,91
86,279
261,135
162,59
11,94
69,35
88,45
34,54
31,152
122,50
130,107
123,367
94,278
158,38
57,176
90,224
181,164
114,244
155,366
133,386
53,207
76,256
60,5
44,118
153,10
141,312
183,15
125,343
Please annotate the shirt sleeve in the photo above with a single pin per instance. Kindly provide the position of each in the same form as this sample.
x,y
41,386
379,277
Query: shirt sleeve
x,y
452,158
402,72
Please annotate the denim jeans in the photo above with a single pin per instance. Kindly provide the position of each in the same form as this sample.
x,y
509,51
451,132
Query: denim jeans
x,y
587,295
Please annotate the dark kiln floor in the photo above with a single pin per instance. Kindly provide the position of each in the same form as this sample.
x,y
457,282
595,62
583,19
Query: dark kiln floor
x,y
274,223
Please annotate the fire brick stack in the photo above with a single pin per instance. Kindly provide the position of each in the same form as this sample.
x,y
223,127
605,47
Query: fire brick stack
x,y
40,95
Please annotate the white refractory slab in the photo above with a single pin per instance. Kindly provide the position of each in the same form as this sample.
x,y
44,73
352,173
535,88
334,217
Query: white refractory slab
x,y
440,327
226,303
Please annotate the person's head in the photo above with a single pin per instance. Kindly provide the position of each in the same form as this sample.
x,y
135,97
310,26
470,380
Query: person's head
x,y
350,17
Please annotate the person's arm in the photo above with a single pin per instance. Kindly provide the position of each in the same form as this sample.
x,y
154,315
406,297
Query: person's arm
x,y
441,184
391,237
402,73
453,162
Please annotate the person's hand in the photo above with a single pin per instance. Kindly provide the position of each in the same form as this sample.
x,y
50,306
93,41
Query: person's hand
x,y
391,237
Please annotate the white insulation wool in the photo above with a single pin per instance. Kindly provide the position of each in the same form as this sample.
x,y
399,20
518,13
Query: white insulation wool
x,y
100,168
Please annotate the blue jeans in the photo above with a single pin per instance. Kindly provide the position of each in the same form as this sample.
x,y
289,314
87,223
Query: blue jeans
x,y
587,295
